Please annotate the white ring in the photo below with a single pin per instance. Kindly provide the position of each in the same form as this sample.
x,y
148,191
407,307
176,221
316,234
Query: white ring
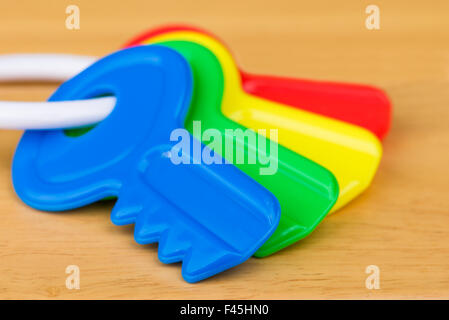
x,y
49,115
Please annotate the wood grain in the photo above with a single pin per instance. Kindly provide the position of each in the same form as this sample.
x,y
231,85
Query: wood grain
x,y
401,224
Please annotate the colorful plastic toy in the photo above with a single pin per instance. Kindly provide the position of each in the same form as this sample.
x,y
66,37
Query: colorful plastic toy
x,y
361,105
212,217
305,190
351,153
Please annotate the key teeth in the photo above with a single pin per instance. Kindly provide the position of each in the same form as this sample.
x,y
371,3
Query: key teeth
x,y
125,211
177,243
130,204
173,244
171,247
123,215
146,233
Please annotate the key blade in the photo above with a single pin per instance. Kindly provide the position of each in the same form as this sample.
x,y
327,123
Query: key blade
x,y
211,217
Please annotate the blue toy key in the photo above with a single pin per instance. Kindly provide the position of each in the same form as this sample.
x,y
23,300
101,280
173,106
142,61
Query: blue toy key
x,y
211,217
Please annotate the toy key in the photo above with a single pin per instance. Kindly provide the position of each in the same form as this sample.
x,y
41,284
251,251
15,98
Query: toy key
x,y
362,105
210,216
305,190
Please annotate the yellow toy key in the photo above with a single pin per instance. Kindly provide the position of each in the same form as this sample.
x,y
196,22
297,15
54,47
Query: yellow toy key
x,y
351,153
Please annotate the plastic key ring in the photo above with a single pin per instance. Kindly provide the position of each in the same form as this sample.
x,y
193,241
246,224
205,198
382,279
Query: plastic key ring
x,y
362,105
305,190
212,217
351,153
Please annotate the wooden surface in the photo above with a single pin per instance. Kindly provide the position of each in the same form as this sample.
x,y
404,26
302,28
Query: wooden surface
x,y
401,224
